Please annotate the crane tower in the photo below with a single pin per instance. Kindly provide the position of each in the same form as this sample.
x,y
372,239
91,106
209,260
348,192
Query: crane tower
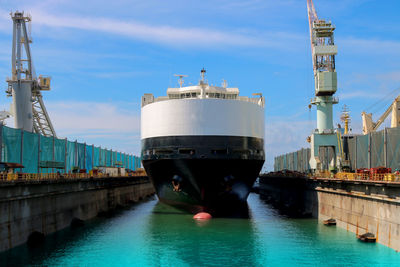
x,y
28,108
324,51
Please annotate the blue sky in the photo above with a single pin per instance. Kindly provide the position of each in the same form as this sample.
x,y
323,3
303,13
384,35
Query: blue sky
x,y
104,55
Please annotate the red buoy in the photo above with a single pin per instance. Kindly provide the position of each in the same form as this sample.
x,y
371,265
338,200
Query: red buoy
x,y
202,216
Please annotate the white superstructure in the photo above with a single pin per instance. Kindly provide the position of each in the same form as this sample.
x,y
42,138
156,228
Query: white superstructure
x,y
181,117
202,109
202,92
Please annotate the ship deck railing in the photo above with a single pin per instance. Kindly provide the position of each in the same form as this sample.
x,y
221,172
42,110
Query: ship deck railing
x,y
255,100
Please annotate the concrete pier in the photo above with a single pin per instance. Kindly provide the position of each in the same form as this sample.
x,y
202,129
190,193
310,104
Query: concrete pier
x,y
32,209
357,206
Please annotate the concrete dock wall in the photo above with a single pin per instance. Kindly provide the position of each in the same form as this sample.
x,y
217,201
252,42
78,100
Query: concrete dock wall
x,y
294,196
357,206
361,212
48,206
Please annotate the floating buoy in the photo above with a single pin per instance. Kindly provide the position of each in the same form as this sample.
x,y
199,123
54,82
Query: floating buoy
x,y
202,216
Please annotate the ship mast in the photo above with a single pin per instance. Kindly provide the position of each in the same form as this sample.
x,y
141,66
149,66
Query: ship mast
x,y
203,83
181,81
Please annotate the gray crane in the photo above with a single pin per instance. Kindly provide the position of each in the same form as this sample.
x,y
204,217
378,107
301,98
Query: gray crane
x,y
24,86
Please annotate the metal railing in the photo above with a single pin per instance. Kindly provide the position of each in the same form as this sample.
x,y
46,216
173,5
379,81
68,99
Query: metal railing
x,y
60,176
255,100
378,177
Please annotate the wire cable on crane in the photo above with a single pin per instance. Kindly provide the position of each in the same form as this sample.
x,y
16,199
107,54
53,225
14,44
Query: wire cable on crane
x,y
382,103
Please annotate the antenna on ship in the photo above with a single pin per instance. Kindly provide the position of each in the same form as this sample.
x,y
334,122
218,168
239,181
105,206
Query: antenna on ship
x,y
202,84
180,78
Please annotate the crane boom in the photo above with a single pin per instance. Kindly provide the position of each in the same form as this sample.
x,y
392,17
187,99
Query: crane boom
x,y
370,126
312,17
312,14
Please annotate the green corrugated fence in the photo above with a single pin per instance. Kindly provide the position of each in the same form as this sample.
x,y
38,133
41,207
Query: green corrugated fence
x,y
375,149
34,150
295,161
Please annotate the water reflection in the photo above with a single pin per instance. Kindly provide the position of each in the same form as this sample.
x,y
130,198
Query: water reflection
x,y
153,234
184,241
56,245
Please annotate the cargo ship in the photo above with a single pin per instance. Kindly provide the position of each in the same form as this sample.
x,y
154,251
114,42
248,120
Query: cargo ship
x,y
202,145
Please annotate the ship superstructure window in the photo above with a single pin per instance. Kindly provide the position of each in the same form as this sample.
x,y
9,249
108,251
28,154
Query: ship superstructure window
x,y
221,95
231,96
173,96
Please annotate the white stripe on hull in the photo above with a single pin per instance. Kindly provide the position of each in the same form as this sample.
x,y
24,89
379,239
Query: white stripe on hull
x,y
190,117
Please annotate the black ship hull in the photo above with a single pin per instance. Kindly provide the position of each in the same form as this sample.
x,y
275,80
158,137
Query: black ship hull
x,y
203,173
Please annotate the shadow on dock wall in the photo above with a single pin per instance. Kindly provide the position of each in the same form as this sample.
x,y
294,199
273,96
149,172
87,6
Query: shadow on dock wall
x,y
33,210
357,206
293,196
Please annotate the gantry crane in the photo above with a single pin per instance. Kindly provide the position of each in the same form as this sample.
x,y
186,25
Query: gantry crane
x,y
24,86
370,126
323,50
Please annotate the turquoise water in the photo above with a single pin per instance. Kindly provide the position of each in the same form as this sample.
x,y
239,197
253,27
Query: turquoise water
x,y
152,234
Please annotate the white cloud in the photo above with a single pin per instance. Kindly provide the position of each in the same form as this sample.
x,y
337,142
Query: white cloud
x,y
183,37
358,95
258,4
393,76
73,116
283,136
370,46
122,74
114,125
162,33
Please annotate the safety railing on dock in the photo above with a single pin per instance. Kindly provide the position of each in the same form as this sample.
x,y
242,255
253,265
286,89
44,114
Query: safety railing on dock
x,y
59,176
379,177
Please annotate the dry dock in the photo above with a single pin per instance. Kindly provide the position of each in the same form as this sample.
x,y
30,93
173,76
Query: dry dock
x,y
359,206
32,209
